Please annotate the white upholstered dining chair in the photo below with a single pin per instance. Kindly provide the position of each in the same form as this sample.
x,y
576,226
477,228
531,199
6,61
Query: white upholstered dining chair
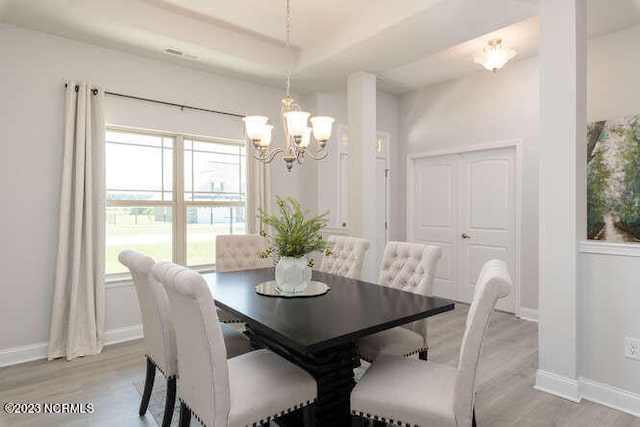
x,y
247,390
159,335
236,252
345,257
410,392
409,267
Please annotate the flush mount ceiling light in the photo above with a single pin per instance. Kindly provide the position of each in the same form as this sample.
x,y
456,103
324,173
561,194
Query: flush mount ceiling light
x,y
295,123
494,55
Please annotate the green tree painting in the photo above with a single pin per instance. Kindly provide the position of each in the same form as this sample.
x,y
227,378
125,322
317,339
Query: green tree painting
x,y
613,180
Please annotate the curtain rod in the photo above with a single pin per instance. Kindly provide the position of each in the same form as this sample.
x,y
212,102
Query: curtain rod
x,y
172,104
138,98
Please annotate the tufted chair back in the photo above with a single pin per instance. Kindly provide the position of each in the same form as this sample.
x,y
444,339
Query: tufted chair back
x,y
347,256
240,252
203,370
159,336
410,267
494,282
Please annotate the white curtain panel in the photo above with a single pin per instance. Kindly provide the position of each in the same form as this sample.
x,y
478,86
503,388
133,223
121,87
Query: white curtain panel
x,y
258,191
77,321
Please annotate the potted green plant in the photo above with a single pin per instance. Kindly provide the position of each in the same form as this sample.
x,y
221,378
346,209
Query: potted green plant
x,y
294,235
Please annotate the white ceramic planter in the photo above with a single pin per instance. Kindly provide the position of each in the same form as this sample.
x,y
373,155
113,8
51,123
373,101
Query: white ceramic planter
x,y
293,274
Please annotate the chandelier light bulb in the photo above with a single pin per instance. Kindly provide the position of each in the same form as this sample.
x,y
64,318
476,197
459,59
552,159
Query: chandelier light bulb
x,y
296,123
322,128
306,138
265,140
255,127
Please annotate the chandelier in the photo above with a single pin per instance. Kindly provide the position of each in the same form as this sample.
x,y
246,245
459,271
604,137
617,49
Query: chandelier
x,y
295,123
494,55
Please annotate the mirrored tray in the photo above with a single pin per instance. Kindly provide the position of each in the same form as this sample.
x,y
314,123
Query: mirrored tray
x,y
272,289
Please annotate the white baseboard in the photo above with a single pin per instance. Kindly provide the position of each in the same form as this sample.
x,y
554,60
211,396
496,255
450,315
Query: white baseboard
x,y
128,333
557,385
529,314
587,389
27,353
610,396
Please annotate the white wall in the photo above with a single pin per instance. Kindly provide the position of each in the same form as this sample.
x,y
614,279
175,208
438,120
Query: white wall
x,y
33,69
609,286
479,109
609,300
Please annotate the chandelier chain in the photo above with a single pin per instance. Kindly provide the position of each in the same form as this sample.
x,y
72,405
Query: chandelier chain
x,y
288,25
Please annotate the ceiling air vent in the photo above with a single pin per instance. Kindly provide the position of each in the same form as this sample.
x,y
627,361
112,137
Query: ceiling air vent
x,y
172,51
179,53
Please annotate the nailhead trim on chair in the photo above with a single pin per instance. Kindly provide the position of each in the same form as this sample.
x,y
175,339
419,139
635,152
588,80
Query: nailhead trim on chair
x,y
226,317
383,419
159,368
193,413
368,359
286,411
233,321
262,421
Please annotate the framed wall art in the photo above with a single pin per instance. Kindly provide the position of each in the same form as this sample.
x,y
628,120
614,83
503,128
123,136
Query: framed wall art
x,y
613,180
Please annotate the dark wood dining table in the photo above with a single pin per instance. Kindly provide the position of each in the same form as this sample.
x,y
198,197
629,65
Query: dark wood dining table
x,y
319,333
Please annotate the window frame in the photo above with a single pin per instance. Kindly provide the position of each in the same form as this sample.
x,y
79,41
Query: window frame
x,y
178,203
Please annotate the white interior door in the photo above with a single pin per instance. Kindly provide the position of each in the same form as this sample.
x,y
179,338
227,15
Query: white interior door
x,y
343,188
381,217
487,217
434,215
380,187
466,204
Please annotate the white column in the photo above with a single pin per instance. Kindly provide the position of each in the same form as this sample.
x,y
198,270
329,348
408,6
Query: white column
x,y
562,190
362,164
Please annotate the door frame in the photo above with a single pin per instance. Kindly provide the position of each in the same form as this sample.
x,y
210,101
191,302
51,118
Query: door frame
x,y
515,143
386,137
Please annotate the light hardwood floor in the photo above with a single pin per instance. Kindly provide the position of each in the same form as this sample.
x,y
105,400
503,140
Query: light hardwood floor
x,y
505,394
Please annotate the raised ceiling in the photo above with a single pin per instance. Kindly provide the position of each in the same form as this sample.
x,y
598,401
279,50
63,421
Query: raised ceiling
x,y
408,43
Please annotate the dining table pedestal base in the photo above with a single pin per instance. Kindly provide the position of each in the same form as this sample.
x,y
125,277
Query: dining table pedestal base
x,y
332,369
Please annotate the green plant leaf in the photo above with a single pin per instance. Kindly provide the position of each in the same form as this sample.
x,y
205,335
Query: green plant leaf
x,y
295,232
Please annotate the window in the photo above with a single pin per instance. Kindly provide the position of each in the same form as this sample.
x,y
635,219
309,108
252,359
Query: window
x,y
170,195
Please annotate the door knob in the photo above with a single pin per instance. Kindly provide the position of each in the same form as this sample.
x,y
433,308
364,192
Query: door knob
x,y
465,236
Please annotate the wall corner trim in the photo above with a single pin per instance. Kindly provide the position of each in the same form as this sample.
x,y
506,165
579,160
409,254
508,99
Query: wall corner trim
x,y
610,396
529,314
28,353
557,385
